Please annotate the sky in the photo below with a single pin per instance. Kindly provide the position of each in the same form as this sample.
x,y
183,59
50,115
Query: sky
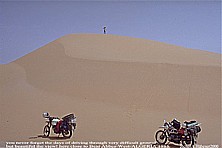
x,y
28,25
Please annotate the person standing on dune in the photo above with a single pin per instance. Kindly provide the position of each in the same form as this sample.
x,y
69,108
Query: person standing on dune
x,y
104,29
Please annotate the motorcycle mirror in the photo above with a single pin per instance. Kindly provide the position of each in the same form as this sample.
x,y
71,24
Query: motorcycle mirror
x,y
164,121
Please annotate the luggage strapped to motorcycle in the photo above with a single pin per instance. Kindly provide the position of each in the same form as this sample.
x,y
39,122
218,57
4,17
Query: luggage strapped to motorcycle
x,y
68,117
176,124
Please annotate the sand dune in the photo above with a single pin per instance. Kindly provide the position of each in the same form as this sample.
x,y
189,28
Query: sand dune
x,y
120,88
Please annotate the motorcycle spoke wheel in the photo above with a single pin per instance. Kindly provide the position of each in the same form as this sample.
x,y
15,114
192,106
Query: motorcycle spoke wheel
x,y
67,133
161,137
189,143
46,131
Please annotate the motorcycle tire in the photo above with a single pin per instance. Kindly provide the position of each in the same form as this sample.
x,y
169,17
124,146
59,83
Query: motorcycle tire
x,y
46,131
67,133
161,137
190,144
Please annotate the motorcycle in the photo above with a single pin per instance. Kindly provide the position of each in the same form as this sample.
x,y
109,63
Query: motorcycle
x,y
173,132
66,125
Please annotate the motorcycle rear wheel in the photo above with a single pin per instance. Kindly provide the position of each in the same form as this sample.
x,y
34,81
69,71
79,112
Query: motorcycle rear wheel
x,y
190,144
46,131
67,133
161,137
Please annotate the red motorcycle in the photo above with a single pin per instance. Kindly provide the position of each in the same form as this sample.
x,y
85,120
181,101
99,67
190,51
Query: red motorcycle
x,y
173,132
66,125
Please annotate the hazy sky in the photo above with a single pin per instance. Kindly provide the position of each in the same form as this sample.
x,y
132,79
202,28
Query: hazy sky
x,y
26,26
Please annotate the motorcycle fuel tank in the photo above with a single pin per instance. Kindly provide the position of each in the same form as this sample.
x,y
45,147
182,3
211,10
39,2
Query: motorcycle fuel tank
x,y
55,121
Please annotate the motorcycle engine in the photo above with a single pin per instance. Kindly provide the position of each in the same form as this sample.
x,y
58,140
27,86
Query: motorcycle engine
x,y
54,128
174,138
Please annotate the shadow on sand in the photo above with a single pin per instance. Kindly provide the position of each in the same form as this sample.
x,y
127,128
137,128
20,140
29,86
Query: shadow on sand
x,y
63,138
174,146
50,137
167,145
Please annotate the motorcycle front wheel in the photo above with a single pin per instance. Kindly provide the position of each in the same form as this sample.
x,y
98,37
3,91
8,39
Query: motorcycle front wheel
x,y
189,142
161,137
46,131
67,133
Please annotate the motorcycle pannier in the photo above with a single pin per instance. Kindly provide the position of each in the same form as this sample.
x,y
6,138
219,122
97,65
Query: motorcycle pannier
x,y
176,124
198,129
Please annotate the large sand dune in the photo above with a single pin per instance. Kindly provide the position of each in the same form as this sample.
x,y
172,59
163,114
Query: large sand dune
x,y
120,88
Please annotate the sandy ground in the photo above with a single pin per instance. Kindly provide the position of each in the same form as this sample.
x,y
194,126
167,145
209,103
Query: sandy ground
x,y
120,88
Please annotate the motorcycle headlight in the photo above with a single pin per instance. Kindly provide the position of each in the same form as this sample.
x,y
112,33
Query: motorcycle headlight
x,y
166,125
45,115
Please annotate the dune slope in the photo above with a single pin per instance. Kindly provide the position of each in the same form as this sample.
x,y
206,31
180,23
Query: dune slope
x,y
120,88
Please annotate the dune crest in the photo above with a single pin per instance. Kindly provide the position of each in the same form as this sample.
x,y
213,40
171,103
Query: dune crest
x,y
128,49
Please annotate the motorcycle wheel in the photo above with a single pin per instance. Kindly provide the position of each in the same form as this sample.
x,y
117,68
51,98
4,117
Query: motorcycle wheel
x,y
188,144
67,133
161,137
46,131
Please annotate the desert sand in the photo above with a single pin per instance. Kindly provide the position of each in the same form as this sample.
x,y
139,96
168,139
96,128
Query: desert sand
x,y
120,88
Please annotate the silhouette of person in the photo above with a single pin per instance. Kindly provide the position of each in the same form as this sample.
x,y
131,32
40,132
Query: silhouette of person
x,y
104,29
